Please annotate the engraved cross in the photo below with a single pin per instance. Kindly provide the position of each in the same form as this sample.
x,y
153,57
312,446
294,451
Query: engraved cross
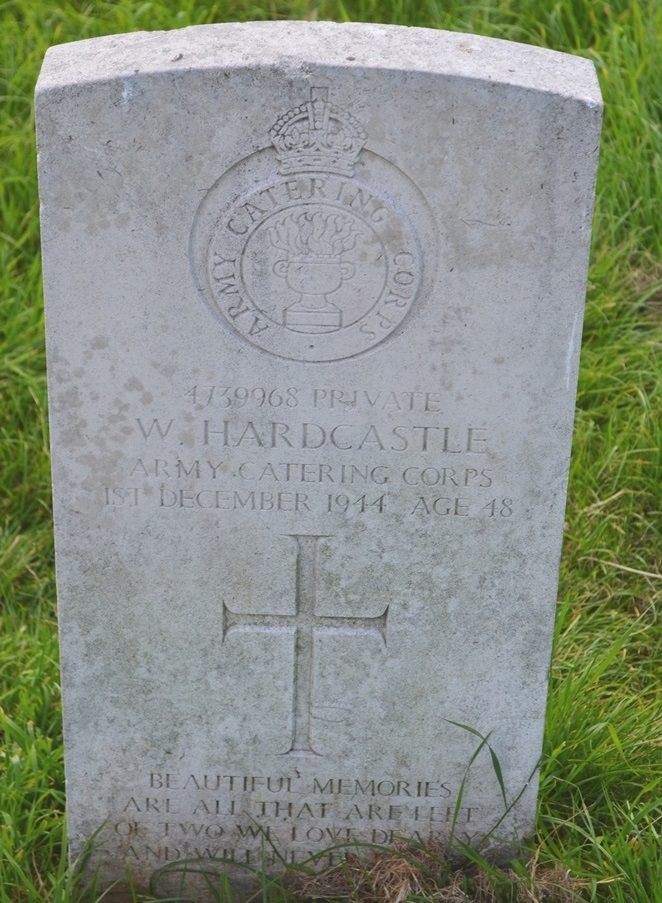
x,y
305,623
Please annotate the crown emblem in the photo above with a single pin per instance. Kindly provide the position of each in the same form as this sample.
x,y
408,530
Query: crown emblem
x,y
318,137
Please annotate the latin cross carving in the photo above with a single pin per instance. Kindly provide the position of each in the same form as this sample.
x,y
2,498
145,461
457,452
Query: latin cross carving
x,y
305,623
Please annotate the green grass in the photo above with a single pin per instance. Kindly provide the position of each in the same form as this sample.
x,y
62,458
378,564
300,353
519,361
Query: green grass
x,y
601,786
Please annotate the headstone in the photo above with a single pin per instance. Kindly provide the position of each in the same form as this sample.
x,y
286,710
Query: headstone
x,y
314,303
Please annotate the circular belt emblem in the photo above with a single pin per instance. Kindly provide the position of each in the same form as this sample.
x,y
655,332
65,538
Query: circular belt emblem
x,y
302,251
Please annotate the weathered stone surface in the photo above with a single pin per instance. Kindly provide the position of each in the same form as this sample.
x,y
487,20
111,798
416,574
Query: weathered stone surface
x,y
314,300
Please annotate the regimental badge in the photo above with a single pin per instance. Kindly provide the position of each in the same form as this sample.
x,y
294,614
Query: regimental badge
x,y
315,248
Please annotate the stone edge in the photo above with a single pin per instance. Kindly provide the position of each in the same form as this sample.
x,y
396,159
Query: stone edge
x,y
295,45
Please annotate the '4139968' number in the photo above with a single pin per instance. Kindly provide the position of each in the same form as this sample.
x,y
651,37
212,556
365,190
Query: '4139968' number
x,y
228,397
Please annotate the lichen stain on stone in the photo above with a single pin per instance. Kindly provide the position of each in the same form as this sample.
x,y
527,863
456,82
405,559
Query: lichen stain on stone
x,y
167,370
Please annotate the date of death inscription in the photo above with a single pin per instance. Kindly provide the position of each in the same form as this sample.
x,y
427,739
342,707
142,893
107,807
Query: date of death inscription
x,y
237,818
274,502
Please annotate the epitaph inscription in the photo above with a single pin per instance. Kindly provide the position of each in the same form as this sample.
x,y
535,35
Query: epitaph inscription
x,y
317,261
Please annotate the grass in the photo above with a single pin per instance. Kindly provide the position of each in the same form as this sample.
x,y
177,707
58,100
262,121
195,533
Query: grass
x,y
600,818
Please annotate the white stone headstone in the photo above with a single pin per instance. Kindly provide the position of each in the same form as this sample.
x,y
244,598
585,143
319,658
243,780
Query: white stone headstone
x,y
314,303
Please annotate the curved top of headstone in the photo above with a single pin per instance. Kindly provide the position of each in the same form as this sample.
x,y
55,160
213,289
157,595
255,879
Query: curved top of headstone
x,y
294,44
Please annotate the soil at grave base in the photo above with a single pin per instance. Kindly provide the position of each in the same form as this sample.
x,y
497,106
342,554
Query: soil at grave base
x,y
391,876
394,875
